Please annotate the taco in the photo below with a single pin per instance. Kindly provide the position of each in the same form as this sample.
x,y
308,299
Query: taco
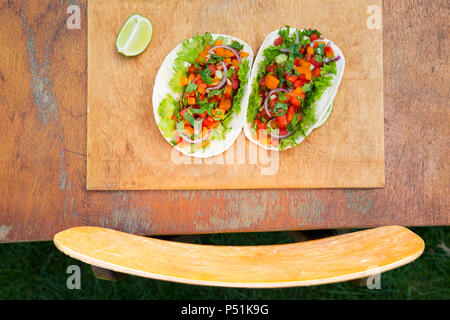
x,y
200,93
295,78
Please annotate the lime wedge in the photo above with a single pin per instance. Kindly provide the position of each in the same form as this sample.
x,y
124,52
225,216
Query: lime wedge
x,y
134,36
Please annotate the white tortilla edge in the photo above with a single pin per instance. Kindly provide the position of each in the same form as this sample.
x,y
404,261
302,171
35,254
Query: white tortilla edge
x,y
322,105
162,88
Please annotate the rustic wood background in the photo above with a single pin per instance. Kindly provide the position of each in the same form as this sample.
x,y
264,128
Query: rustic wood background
x,y
125,150
43,86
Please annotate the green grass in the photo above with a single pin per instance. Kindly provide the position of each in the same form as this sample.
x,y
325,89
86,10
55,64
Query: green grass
x,y
38,271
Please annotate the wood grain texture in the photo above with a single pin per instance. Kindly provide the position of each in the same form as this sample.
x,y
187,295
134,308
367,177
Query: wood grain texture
x,y
125,150
333,259
43,98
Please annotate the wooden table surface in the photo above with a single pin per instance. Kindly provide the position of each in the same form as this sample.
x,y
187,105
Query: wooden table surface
x,y
43,83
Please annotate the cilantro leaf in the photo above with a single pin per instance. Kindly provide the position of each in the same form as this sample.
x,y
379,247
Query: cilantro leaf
x,y
191,87
206,76
280,108
236,45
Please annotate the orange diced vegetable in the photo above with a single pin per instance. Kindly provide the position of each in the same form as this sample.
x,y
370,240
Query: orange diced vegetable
x,y
308,75
243,54
235,63
184,81
310,50
218,42
228,91
227,60
225,104
229,53
191,77
219,113
191,101
298,91
304,63
271,82
220,52
188,130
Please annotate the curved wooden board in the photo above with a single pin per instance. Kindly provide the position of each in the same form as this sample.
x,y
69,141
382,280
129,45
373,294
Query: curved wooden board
x,y
340,258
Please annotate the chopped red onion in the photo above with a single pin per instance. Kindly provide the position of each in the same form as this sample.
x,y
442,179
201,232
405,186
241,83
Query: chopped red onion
x,y
280,136
224,79
336,58
228,48
268,97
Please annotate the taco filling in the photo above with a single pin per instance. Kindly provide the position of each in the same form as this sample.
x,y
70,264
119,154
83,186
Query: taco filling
x,y
295,71
209,79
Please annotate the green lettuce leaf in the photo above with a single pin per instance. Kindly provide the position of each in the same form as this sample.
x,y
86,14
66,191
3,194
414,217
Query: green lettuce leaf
x,y
167,127
186,56
167,107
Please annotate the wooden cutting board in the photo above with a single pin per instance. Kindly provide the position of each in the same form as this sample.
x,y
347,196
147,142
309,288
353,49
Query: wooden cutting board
x,y
125,150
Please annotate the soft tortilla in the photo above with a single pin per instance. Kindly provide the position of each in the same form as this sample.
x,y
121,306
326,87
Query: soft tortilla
x,y
162,88
323,105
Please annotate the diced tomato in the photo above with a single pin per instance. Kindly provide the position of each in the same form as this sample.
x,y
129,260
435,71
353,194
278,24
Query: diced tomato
x,y
183,112
258,116
297,61
178,139
278,41
292,78
295,101
265,115
299,83
315,63
191,69
261,125
271,68
314,37
208,122
316,72
272,102
212,69
290,114
216,98
302,50
262,83
329,52
281,121
235,81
